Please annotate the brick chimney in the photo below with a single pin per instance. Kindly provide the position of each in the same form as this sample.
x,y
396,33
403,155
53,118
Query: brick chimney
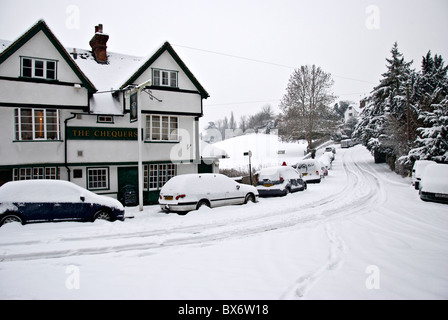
x,y
98,44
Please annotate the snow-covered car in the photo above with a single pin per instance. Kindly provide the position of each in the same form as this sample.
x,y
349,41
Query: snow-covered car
x,y
325,161
330,149
417,170
434,183
31,201
329,155
279,181
347,143
189,192
311,170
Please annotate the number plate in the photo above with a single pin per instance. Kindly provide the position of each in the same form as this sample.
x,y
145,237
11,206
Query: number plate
x,y
441,195
268,185
304,174
168,197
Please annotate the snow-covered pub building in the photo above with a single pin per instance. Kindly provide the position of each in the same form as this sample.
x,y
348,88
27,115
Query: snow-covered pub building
x,y
66,114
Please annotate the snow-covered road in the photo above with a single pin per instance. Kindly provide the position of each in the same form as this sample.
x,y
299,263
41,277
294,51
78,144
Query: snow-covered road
x,y
363,233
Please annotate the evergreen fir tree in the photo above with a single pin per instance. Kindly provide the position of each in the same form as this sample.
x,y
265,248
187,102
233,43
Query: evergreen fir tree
x,y
382,120
431,94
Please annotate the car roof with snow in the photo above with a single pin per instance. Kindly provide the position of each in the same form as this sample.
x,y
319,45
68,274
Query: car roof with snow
x,y
192,179
43,191
273,171
437,170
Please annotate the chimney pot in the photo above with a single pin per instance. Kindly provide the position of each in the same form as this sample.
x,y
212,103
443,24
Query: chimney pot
x,y
99,44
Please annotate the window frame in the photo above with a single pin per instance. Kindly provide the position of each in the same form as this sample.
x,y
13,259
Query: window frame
x,y
105,181
45,69
105,119
47,129
159,128
157,174
28,173
160,75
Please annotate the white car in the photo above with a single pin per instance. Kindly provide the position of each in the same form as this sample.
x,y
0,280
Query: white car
x,y
311,170
329,155
188,192
434,183
279,181
326,164
417,170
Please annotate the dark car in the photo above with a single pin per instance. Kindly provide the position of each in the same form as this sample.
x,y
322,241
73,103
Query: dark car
x,y
54,200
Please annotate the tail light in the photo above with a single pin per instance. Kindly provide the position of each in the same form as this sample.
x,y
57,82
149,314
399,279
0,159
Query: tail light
x,y
281,179
180,196
317,173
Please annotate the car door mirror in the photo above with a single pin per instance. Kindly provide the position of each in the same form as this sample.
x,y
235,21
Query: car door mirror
x,y
82,198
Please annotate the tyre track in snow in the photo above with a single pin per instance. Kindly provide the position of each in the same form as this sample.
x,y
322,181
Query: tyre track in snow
x,y
365,181
357,196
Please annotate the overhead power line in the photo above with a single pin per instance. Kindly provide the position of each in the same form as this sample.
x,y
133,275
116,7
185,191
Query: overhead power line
x,y
235,56
243,102
264,62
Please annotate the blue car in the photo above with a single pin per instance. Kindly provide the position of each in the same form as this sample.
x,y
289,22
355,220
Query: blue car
x,y
33,201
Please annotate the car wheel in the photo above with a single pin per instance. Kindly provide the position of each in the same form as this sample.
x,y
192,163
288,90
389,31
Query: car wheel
x,y
249,197
9,218
102,215
202,203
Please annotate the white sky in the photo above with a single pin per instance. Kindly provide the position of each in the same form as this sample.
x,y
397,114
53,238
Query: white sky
x,y
348,38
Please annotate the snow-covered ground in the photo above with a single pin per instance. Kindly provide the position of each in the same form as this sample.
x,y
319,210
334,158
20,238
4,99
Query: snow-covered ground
x,y
267,150
363,233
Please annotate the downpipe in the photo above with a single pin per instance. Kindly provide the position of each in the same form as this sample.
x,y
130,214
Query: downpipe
x,y
66,145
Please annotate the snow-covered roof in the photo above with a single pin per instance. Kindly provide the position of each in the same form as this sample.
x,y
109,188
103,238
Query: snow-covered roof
x,y
108,76
119,71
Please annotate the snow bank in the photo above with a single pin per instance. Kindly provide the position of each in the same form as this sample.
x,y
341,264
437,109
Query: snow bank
x,y
267,151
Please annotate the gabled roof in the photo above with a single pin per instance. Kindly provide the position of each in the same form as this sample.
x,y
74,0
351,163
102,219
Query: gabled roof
x,y
167,47
42,26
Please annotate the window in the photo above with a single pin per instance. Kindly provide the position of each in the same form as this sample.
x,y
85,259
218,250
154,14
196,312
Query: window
x,y
156,175
37,124
39,68
77,173
165,78
51,173
105,119
97,178
35,173
162,128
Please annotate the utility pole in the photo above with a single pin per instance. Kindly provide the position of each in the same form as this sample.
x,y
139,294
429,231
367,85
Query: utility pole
x,y
138,90
408,113
249,153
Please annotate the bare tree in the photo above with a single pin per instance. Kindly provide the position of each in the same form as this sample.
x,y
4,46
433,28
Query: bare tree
x,y
306,105
243,123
